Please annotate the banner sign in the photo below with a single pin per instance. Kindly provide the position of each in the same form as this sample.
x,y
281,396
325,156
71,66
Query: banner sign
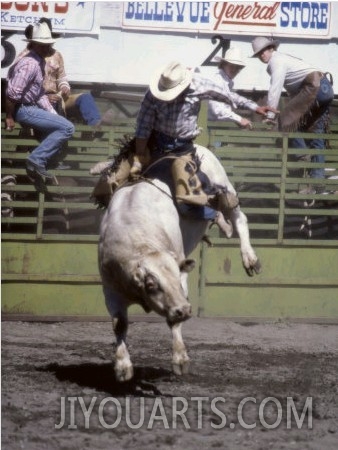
x,y
66,17
294,19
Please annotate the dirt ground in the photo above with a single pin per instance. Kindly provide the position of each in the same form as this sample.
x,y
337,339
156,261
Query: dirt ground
x,y
253,386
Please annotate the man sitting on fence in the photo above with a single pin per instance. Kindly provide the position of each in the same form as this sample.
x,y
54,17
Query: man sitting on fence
x,y
27,104
58,88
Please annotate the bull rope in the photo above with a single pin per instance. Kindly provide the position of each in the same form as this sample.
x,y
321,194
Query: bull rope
x,y
141,178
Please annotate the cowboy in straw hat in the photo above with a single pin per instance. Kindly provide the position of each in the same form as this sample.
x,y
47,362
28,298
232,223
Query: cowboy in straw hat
x,y
261,43
58,88
168,123
27,103
228,68
41,34
170,81
309,90
232,56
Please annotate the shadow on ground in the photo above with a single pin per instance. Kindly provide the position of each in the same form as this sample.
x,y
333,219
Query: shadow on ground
x,y
101,377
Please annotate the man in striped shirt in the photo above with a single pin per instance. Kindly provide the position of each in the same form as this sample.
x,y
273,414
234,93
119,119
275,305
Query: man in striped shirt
x,y
27,104
58,88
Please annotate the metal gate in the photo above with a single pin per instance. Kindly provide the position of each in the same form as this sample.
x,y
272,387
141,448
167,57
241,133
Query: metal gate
x,y
49,239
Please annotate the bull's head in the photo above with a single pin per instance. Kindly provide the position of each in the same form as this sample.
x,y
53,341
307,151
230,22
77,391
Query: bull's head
x,y
162,283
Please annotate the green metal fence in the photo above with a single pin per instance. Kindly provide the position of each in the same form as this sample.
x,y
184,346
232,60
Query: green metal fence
x,y
49,239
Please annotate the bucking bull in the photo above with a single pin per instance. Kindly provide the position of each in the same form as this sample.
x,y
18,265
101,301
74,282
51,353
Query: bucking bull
x,y
143,249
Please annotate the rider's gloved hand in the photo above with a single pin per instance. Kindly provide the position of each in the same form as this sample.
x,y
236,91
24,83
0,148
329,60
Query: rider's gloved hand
x,y
139,163
136,169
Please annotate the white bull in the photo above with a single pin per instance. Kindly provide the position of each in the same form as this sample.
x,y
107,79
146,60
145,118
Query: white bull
x,y
143,252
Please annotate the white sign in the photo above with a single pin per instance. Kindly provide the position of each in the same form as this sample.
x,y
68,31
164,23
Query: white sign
x,y
66,17
294,19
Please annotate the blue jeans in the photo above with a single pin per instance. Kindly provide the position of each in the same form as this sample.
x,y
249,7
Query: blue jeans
x,y
318,127
197,212
54,130
324,97
88,109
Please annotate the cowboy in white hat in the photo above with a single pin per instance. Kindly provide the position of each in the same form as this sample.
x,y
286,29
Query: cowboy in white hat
x,y
27,104
309,90
58,88
41,34
228,68
168,123
261,43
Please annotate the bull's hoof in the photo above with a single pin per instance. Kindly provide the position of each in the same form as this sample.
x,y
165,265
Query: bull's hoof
x,y
257,267
254,269
124,372
182,368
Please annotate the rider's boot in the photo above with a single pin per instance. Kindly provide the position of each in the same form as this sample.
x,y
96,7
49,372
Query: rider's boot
x,y
101,167
109,181
224,201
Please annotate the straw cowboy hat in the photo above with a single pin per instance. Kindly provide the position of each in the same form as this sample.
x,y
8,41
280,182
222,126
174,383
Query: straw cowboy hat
x,y
41,34
232,56
260,43
169,82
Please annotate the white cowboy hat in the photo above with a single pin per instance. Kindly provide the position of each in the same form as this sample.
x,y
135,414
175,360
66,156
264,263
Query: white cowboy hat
x,y
260,43
41,34
232,56
168,82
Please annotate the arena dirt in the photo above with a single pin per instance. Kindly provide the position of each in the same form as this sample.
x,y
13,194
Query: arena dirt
x,y
44,365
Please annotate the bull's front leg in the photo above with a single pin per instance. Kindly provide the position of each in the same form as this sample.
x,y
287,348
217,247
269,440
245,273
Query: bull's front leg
x,y
181,360
123,366
250,260
118,310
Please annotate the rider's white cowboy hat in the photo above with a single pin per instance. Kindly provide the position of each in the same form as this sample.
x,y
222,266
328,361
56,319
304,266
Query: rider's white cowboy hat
x,y
41,34
260,43
232,56
169,82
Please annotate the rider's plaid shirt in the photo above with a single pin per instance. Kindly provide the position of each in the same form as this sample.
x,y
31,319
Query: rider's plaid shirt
x,y
25,82
178,118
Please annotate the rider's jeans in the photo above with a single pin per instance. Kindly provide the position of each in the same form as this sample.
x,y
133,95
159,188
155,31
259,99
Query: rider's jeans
x,y
54,130
88,109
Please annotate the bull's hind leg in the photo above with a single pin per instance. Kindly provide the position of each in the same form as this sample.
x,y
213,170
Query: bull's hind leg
x,y
181,360
239,220
250,260
118,311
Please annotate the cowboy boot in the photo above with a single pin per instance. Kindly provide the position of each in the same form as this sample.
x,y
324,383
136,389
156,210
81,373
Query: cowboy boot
x,y
224,201
109,182
101,167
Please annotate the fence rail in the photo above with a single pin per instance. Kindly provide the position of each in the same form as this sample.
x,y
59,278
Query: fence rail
x,y
271,185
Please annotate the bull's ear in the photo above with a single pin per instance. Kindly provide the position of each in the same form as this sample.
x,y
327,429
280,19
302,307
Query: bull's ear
x,y
187,265
151,283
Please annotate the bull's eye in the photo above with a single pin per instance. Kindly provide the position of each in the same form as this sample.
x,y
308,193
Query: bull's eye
x,y
150,287
151,284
